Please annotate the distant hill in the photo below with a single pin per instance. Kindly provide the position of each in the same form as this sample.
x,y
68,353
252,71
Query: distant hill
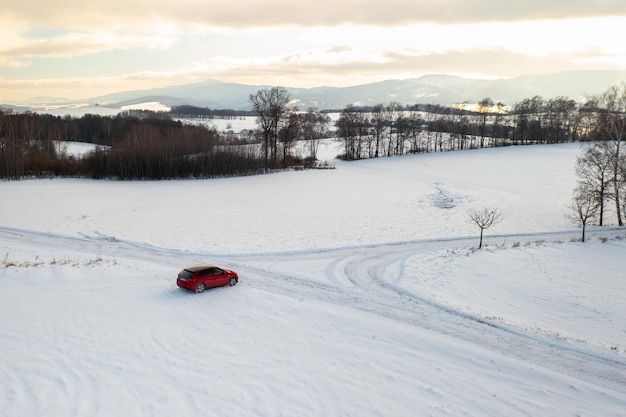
x,y
428,89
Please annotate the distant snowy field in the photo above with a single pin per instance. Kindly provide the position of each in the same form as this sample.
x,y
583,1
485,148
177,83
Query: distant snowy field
x,y
360,293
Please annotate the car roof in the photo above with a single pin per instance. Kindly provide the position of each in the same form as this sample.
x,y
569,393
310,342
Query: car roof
x,y
199,267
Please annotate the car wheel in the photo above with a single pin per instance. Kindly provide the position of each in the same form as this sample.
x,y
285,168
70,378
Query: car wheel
x,y
232,281
200,288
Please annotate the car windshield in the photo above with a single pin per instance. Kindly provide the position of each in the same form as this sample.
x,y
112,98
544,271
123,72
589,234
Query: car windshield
x,y
185,274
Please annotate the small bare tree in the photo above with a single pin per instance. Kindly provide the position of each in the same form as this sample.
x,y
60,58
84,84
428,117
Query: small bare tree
x,y
484,218
584,207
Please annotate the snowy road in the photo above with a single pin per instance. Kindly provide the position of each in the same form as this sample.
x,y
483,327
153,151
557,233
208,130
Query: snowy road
x,y
368,279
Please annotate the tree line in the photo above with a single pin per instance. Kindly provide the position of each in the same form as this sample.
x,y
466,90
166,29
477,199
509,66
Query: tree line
x,y
142,144
128,147
189,111
152,145
387,130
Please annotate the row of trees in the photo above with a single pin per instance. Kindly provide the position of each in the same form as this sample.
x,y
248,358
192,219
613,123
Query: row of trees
x,y
394,130
129,147
601,168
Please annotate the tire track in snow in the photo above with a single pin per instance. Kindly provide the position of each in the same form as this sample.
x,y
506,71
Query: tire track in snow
x,y
376,271
368,278
379,274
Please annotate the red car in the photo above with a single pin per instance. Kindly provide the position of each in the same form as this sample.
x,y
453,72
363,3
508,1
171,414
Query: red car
x,y
202,276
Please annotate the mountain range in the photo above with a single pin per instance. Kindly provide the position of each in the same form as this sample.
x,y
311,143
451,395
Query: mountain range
x,y
428,89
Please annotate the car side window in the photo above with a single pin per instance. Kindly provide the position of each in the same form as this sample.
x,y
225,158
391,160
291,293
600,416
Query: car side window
x,y
205,273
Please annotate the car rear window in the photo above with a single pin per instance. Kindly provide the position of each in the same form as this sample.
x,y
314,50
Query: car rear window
x,y
185,274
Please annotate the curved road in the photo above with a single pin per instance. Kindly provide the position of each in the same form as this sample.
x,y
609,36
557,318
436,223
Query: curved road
x,y
365,278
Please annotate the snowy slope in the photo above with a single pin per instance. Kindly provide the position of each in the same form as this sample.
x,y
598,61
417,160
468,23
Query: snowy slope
x,y
360,294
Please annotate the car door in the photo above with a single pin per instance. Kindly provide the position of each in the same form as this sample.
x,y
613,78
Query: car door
x,y
214,277
221,277
207,277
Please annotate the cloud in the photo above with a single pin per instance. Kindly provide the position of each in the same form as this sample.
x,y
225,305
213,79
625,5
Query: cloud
x,y
339,48
21,43
80,14
354,66
299,44
341,67
71,44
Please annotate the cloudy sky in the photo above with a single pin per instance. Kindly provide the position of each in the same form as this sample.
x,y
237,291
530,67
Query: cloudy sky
x,y
81,49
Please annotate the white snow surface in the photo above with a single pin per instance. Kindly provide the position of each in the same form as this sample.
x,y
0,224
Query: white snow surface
x,y
361,293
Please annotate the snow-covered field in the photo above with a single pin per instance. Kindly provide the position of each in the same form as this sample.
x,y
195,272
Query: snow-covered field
x,y
361,294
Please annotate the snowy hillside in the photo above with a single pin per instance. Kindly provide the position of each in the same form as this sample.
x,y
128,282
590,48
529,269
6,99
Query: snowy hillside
x,y
360,294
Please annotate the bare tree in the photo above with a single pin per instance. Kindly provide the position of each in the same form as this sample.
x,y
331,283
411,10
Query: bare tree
x,y
560,120
584,207
314,126
611,106
380,122
528,115
272,106
594,172
484,218
622,170
352,126
484,110
288,135
394,112
499,114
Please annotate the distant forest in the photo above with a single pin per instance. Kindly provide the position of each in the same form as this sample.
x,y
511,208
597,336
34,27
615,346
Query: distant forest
x,y
158,145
